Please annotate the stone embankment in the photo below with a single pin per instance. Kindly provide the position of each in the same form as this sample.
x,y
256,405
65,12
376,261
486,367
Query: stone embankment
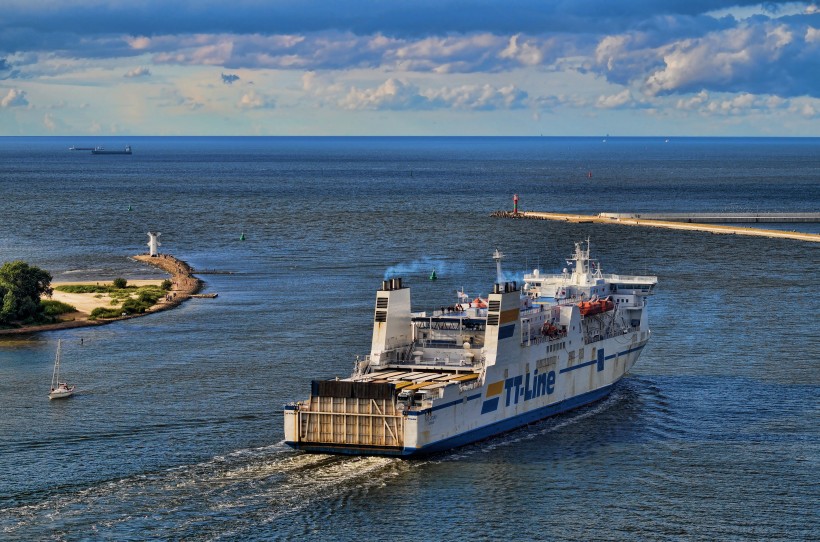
x,y
185,284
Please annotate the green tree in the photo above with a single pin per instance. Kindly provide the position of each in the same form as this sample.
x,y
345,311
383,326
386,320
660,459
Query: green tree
x,y
120,283
21,286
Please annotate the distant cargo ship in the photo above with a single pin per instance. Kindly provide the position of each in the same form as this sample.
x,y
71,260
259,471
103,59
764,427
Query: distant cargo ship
x,y
101,150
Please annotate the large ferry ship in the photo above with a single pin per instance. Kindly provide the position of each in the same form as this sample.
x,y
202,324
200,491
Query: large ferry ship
x,y
444,378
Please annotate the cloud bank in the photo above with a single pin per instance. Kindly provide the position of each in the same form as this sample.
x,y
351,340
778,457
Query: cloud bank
x,y
681,57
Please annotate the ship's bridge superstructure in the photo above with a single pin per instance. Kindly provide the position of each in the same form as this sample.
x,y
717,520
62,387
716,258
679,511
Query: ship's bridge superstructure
x,y
532,344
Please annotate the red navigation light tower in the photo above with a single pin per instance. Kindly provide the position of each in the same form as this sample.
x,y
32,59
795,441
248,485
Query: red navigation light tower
x,y
515,203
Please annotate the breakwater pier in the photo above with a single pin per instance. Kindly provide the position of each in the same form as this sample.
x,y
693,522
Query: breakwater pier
x,y
683,222
722,218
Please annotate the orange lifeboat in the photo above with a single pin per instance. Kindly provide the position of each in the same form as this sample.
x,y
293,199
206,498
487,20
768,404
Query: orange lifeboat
x,y
596,306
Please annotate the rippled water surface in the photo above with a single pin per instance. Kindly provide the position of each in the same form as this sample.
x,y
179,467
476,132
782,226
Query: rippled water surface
x,y
177,430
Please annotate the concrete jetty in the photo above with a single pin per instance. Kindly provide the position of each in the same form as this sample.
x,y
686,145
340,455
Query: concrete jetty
x,y
608,218
722,218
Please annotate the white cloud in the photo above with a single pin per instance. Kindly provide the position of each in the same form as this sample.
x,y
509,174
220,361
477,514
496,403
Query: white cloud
x,y
142,71
54,124
695,102
478,97
724,60
255,100
807,108
171,97
392,94
398,94
528,53
615,101
14,98
743,104
139,43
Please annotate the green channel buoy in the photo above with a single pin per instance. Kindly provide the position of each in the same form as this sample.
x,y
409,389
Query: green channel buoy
x,y
433,275
129,207
242,237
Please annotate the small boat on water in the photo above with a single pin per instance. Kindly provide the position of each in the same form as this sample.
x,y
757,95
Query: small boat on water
x,y
59,390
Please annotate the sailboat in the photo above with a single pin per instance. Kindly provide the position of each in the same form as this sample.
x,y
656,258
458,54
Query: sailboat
x,y
59,390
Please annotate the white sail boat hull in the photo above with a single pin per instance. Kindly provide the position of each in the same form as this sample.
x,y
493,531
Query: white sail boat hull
x,y
61,392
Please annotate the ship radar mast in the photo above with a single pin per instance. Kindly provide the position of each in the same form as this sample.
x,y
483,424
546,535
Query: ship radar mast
x,y
581,258
498,256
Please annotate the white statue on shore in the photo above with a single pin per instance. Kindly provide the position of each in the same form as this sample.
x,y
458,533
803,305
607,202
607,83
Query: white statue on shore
x,y
153,243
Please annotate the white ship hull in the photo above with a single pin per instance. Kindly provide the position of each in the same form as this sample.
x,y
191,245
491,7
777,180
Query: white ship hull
x,y
468,415
525,357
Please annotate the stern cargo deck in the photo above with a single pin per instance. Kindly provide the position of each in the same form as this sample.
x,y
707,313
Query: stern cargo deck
x,y
353,415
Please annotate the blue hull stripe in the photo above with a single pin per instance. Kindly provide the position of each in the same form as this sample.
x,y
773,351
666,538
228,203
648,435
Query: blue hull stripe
x,y
579,366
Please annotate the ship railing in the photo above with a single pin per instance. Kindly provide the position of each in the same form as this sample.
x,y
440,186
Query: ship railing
x,y
473,384
538,338
616,332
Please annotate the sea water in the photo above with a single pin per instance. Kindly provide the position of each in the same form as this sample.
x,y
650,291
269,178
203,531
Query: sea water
x,y
176,432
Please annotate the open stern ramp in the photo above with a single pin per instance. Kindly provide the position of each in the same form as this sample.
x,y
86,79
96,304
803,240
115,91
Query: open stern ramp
x,y
351,416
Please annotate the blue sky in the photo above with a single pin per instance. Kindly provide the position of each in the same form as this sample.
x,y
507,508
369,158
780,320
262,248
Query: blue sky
x,y
405,67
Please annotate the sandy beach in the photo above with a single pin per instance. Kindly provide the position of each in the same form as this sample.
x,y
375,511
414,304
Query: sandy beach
x,y
85,303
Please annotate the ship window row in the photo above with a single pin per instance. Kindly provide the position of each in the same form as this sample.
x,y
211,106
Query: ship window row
x,y
555,347
544,363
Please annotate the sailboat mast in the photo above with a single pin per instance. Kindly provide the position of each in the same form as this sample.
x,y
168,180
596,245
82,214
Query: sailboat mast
x,y
55,376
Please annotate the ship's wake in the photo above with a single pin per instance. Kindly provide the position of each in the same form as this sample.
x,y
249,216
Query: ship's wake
x,y
231,495
211,499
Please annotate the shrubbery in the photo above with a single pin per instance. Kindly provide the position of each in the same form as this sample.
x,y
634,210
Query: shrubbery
x,y
83,289
146,297
56,308
21,286
120,283
102,312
